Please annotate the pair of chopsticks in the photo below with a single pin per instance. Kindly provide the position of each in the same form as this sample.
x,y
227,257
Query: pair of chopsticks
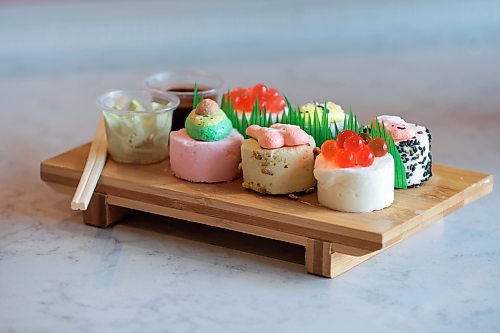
x,y
93,168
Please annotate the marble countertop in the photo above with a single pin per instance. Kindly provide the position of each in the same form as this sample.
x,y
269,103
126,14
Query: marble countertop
x,y
434,62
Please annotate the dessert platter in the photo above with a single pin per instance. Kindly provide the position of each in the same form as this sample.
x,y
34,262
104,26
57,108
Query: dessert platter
x,y
249,161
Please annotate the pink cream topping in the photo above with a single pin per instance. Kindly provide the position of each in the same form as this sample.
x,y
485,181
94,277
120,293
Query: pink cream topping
x,y
278,135
397,127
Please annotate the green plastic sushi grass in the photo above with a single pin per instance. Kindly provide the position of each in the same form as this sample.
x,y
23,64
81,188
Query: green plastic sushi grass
x,y
316,127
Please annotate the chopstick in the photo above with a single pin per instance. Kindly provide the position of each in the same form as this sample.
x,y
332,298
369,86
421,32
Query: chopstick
x,y
93,168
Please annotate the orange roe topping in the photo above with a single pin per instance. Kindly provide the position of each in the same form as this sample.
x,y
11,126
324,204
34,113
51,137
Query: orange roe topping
x,y
328,149
243,99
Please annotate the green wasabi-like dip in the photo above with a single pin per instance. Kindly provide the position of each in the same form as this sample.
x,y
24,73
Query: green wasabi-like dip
x,y
208,123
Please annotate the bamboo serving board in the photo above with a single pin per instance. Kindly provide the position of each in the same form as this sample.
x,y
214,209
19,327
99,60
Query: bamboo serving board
x,y
334,241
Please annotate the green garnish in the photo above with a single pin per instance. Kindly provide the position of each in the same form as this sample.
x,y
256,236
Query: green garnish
x,y
196,98
399,169
158,106
134,105
317,127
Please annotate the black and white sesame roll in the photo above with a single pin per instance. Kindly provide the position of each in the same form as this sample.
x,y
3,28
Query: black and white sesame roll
x,y
414,145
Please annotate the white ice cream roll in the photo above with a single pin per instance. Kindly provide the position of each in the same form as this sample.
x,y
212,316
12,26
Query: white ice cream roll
x,y
356,189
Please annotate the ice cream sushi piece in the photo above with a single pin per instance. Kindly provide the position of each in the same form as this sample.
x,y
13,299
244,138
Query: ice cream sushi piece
x,y
413,143
278,160
208,149
334,111
355,189
353,176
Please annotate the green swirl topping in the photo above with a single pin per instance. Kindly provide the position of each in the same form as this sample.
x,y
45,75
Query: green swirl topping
x,y
208,122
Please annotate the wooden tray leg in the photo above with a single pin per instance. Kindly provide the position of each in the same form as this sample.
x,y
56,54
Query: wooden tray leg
x,y
101,214
321,259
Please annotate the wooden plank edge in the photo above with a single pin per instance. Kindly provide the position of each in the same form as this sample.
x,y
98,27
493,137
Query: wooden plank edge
x,y
479,190
206,220
230,224
347,244
472,193
68,177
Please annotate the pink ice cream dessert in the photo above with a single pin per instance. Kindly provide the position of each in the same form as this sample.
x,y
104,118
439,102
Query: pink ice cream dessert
x,y
208,149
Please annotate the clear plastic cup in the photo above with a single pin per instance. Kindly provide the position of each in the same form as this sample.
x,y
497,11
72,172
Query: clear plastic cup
x,y
181,83
137,136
